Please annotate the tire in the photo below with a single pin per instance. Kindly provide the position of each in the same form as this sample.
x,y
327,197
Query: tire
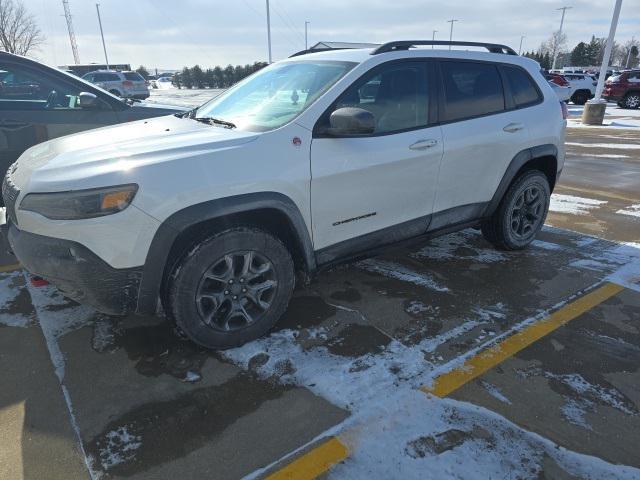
x,y
115,92
219,300
631,100
580,97
512,227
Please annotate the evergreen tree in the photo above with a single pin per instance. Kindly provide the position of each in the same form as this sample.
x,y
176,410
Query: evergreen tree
x,y
197,76
186,78
579,55
143,71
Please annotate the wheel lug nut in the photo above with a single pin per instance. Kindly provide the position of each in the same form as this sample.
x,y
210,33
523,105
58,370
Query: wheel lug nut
x,y
242,280
230,282
235,297
226,292
244,290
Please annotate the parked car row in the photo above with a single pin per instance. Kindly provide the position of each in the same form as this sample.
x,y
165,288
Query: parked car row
x,y
624,89
575,87
121,84
38,103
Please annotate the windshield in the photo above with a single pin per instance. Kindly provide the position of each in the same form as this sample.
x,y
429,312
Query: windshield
x,y
275,95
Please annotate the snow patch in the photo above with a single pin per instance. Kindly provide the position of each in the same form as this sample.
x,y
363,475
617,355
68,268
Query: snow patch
x,y
633,210
574,411
119,447
445,247
400,272
9,293
616,146
494,392
574,205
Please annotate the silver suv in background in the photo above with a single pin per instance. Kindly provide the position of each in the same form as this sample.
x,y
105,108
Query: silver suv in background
x,y
122,84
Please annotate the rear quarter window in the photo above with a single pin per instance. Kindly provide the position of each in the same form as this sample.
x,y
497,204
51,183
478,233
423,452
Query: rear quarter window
x,y
523,88
133,76
471,89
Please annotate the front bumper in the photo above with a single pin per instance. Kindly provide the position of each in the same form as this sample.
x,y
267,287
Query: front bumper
x,y
77,272
612,97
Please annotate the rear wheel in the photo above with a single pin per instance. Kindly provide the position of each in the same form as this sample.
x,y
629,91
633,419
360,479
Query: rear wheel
x,y
631,100
521,213
580,97
231,288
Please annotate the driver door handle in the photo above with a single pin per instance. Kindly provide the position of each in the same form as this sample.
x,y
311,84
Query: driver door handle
x,y
423,144
513,127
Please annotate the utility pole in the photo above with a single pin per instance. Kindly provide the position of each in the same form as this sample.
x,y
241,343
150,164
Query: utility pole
x,y
555,45
104,47
306,35
72,35
522,37
269,31
594,109
451,31
434,38
607,51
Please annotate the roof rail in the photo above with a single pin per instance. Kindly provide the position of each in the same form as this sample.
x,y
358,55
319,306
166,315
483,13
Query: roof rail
x,y
315,50
407,44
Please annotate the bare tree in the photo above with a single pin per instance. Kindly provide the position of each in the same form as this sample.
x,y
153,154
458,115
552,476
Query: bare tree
x,y
557,44
19,32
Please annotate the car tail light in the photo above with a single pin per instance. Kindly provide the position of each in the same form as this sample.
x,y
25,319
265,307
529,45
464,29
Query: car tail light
x,y
560,80
565,110
127,84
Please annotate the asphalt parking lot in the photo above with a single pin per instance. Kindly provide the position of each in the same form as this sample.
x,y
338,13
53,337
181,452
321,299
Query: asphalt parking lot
x,y
450,358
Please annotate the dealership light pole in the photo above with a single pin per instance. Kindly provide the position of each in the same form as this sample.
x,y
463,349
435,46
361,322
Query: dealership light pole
x,y
433,38
306,35
594,109
555,46
104,47
269,31
522,37
451,31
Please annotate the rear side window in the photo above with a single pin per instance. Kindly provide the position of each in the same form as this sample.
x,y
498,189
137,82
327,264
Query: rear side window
x,y
471,89
522,87
133,76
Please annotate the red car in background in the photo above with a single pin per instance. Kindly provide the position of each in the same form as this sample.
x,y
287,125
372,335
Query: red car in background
x,y
624,89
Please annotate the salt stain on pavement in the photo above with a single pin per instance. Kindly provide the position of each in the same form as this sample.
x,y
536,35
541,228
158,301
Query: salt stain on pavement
x,y
15,303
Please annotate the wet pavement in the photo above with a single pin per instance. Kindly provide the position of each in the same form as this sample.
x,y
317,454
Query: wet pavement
x,y
346,357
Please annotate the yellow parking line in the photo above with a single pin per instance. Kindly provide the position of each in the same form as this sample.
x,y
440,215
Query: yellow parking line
x,y
313,463
487,359
10,268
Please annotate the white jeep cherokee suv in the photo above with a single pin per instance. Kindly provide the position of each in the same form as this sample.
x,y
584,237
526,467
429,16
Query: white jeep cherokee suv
x,y
311,161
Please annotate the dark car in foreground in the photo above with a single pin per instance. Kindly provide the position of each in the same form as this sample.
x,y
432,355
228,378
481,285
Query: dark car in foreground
x,y
38,103
624,89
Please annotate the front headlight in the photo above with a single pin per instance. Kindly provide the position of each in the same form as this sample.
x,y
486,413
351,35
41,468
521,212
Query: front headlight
x,y
74,205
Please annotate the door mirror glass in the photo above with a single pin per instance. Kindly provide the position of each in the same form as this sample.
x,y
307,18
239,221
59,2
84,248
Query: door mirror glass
x,y
87,100
351,121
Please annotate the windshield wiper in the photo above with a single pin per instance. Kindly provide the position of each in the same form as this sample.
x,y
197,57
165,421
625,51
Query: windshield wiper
x,y
214,121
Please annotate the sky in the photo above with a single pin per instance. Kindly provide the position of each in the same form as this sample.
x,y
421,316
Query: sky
x,y
169,34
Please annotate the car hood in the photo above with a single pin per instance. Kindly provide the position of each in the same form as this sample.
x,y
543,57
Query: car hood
x,y
56,164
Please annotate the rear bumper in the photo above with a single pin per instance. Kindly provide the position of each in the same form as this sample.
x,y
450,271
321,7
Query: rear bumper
x,y
79,273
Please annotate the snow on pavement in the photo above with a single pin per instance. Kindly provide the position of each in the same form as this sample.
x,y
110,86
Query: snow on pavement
x,y
633,211
573,205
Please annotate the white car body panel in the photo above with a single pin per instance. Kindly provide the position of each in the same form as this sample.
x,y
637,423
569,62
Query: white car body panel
x,y
379,178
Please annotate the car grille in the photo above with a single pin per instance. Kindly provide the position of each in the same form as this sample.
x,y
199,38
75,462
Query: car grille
x,y
10,195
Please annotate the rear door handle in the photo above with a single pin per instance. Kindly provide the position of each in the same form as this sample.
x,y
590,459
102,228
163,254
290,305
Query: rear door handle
x,y
424,144
513,127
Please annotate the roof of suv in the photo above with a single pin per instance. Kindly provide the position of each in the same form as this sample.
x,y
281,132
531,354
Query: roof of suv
x,y
361,55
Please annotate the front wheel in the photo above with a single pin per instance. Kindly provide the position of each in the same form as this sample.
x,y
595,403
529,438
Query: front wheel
x,y
231,288
632,100
521,213
580,98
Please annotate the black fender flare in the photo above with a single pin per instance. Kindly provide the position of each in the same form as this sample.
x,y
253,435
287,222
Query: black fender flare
x,y
519,161
170,229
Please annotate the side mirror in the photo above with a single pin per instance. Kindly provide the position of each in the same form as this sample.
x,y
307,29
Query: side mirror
x,y
351,121
87,100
